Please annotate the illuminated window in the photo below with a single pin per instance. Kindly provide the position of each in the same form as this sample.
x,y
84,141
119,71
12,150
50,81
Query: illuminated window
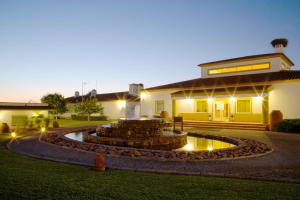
x,y
239,68
201,106
159,106
243,106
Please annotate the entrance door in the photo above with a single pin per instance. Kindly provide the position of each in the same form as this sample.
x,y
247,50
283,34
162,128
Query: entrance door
x,y
220,111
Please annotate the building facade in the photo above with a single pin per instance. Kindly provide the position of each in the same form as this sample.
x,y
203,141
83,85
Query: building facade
x,y
15,114
244,89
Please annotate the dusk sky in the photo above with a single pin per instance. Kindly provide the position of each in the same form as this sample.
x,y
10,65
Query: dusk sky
x,y
52,46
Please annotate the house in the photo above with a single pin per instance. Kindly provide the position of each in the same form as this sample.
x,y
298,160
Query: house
x,y
115,105
245,90
17,114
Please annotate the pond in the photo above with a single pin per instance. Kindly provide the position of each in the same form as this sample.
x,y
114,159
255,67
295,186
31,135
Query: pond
x,y
193,143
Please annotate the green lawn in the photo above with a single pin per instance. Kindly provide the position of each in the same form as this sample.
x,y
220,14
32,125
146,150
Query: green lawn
x,y
23,177
70,123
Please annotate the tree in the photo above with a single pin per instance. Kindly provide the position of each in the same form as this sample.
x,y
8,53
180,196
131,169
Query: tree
x,y
57,101
88,106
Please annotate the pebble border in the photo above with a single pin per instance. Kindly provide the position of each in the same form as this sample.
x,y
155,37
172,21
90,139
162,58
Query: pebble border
x,y
243,148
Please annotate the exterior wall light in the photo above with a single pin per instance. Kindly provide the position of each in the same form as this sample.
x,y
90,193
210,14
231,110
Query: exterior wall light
x,y
210,100
232,99
121,104
143,95
43,129
188,101
35,114
258,98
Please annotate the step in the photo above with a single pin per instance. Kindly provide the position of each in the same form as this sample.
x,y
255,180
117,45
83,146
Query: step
x,y
224,125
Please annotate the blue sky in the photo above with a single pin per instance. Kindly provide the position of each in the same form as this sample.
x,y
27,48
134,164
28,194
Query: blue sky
x,y
52,46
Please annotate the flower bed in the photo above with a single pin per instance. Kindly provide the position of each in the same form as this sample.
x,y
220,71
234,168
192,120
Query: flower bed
x,y
244,147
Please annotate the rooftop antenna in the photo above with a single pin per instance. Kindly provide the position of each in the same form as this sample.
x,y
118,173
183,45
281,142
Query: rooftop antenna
x,y
82,89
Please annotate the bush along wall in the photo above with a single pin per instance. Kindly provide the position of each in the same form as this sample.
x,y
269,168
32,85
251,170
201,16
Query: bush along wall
x,y
289,126
85,118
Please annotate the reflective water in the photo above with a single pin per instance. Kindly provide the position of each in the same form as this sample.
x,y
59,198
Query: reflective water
x,y
200,144
193,143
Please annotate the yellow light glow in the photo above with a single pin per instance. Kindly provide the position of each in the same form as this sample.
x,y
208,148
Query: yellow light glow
x,y
35,114
239,68
259,98
13,134
1,117
210,148
121,104
188,101
188,147
232,99
210,100
143,95
43,129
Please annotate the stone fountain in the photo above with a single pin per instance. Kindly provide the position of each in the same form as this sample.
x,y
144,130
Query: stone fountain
x,y
143,133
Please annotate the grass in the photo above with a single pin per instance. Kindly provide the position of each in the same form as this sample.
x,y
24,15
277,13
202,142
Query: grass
x,y
70,123
23,177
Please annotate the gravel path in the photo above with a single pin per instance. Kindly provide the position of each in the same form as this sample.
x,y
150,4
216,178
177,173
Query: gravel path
x,y
283,164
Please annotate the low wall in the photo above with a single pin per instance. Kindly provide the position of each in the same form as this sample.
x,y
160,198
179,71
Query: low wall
x,y
248,117
174,141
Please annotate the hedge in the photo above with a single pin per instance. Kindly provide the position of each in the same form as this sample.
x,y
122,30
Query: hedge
x,y
289,125
85,118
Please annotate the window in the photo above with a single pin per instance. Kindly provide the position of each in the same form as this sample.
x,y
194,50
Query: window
x,y
239,68
243,106
201,106
159,106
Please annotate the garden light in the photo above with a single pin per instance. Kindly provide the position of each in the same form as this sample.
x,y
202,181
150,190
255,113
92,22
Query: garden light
x,y
13,134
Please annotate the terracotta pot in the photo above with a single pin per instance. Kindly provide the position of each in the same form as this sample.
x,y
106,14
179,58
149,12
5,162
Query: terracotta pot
x,y
275,118
99,163
164,114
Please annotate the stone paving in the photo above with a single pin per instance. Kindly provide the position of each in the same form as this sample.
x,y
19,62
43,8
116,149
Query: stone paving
x,y
283,164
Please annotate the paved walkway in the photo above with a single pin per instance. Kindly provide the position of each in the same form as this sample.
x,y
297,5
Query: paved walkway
x,y
283,164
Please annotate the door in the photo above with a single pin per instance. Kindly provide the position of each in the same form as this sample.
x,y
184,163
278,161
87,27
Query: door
x,y
218,111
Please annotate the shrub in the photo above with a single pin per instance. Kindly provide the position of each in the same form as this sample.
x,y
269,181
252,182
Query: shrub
x,y
38,122
46,122
55,124
4,128
289,125
85,118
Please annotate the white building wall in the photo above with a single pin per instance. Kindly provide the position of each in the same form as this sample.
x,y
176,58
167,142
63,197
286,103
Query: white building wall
x,y
6,115
275,65
185,105
285,97
114,109
148,102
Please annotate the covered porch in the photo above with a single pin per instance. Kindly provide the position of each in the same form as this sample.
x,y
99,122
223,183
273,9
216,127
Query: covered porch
x,y
246,104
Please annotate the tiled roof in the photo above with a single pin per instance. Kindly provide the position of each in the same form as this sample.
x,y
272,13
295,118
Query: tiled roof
x,y
227,90
245,58
24,106
106,97
248,79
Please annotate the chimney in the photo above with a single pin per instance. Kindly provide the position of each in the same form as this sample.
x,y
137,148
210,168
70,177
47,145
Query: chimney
x,y
77,94
279,44
93,93
134,89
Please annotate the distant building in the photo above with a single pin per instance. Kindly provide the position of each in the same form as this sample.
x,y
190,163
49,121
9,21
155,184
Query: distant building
x,y
116,105
16,113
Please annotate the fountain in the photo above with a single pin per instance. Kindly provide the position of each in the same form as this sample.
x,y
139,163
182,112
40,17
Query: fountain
x,y
138,133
